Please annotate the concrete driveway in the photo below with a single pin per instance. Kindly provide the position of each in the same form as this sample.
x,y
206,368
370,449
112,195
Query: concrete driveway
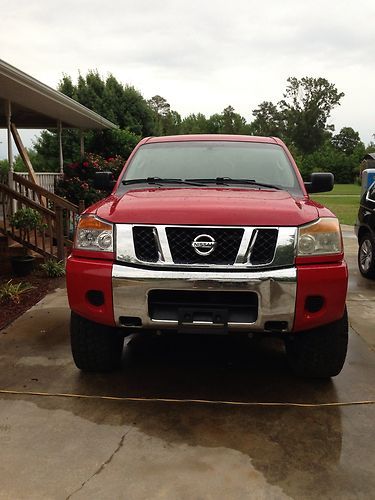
x,y
62,447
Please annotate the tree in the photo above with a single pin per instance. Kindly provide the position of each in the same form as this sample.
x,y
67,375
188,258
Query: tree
x,y
233,123
173,123
306,107
370,148
328,158
19,166
159,105
4,168
347,140
137,116
123,105
227,122
268,120
47,148
167,121
118,142
194,124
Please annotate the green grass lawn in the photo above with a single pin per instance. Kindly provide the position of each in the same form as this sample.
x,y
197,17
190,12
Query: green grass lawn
x,y
343,200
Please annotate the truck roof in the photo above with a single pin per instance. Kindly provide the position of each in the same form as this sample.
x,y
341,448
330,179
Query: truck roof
x,y
212,137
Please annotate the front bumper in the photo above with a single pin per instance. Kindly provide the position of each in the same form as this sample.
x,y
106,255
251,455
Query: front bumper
x,y
275,290
282,294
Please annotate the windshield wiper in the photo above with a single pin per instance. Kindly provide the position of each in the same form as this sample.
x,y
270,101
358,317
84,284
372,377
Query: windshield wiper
x,y
160,180
225,181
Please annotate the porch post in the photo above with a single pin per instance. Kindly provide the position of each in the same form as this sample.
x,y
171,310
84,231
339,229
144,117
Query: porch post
x,y
82,143
8,114
61,157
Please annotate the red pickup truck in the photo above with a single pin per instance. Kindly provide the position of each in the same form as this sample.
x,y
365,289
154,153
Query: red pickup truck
x,y
210,234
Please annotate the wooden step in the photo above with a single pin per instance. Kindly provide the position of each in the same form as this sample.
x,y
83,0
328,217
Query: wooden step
x,y
3,241
15,249
3,247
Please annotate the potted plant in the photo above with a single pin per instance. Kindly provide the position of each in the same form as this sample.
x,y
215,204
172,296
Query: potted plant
x,y
25,219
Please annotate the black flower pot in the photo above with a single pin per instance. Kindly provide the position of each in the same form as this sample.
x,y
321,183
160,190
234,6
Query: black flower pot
x,y
22,265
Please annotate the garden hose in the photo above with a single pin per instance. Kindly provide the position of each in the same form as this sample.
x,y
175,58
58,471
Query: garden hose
x,y
191,401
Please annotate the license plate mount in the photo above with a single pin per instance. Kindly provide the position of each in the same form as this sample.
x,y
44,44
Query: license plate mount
x,y
201,316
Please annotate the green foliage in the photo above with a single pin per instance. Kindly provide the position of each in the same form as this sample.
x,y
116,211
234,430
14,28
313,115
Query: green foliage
x,y
27,219
47,148
194,124
371,147
306,107
268,121
347,140
300,119
53,268
166,121
227,122
113,143
159,105
329,158
19,166
4,168
11,292
78,181
123,105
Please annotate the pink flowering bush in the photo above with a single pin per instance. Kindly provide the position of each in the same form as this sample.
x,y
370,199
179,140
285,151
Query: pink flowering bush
x,y
78,181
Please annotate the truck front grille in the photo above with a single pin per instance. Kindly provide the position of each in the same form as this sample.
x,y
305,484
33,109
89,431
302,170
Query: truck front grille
x,y
264,247
205,246
145,243
227,243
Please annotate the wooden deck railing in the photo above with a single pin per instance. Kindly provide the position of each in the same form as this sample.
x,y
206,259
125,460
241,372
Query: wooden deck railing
x,y
46,180
59,217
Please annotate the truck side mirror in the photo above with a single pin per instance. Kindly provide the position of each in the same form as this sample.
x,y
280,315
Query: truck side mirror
x,y
320,182
104,180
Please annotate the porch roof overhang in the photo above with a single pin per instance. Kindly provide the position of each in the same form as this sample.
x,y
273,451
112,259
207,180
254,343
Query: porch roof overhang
x,y
37,106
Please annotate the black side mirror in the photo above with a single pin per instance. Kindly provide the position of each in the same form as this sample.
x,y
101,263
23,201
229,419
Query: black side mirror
x,y
104,180
320,182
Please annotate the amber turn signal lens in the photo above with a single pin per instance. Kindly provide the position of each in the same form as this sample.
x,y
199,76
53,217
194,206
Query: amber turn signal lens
x,y
91,222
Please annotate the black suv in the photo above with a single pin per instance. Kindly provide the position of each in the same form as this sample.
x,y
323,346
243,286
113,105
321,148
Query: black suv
x,y
365,230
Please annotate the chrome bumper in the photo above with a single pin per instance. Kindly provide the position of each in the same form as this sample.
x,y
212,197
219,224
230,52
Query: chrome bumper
x,y
276,291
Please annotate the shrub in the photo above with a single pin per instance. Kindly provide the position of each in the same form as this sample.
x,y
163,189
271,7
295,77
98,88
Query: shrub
x,y
4,169
27,219
329,159
78,181
11,292
53,268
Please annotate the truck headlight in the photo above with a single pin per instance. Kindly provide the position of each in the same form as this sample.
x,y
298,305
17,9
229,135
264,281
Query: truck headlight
x,y
320,238
94,234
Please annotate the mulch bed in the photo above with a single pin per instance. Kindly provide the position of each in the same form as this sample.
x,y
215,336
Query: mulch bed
x,y
10,311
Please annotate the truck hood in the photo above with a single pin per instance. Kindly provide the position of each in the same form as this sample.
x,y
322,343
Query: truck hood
x,y
206,206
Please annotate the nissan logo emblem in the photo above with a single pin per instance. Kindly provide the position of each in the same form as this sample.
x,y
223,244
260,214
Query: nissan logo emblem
x,y
204,244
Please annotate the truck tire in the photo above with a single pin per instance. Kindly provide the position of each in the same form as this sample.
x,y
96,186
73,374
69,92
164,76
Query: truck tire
x,y
366,256
95,348
320,352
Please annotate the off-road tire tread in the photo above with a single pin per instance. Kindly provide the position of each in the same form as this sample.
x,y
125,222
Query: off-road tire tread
x,y
320,352
95,347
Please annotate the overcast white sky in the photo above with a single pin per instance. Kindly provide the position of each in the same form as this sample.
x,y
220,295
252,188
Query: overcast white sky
x,y
201,55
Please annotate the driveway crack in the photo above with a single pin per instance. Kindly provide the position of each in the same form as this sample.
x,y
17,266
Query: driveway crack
x,y
103,465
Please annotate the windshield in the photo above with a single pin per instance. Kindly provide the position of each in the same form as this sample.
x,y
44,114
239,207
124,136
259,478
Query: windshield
x,y
261,162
